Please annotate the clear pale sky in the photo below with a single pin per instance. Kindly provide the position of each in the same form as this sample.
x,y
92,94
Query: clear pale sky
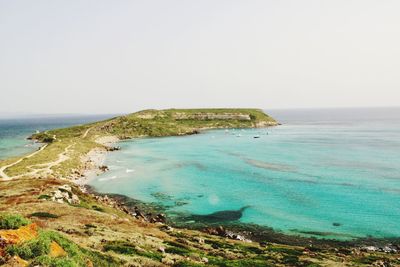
x,y
121,56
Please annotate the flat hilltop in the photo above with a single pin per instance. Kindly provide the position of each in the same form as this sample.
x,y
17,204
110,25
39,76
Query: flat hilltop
x,y
170,122
47,218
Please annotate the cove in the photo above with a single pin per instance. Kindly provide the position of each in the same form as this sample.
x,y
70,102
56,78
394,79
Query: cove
x,y
338,179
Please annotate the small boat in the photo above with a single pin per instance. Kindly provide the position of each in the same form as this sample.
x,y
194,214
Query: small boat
x,y
256,136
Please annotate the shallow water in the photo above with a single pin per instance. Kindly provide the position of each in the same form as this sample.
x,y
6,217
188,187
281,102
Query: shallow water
x,y
334,173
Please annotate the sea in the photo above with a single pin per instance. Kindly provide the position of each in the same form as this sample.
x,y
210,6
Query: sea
x,y
325,173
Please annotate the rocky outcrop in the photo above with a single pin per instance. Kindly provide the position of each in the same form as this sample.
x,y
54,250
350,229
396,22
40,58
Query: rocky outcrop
x,y
64,194
262,124
221,231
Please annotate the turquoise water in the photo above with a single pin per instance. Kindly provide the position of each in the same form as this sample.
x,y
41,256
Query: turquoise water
x,y
332,172
14,131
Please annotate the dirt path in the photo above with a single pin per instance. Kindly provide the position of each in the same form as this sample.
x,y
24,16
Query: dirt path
x,y
2,169
46,167
86,133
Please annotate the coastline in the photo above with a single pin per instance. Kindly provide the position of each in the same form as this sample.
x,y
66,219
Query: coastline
x,y
94,160
93,164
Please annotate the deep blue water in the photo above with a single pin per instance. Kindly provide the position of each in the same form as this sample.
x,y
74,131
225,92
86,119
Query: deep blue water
x,y
331,171
13,132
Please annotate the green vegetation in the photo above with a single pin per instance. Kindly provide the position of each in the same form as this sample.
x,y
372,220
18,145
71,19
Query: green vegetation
x,y
239,263
188,264
97,208
45,197
171,122
37,251
12,221
124,247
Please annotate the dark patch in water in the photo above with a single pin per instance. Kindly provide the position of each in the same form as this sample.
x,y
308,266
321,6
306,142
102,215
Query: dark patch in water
x,y
180,203
269,166
162,196
219,216
336,224
180,165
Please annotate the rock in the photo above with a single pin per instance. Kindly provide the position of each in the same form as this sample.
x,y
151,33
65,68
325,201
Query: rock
x,y
71,231
64,194
220,231
369,248
75,200
204,259
199,240
57,194
103,168
389,249
159,218
166,228
161,249
65,188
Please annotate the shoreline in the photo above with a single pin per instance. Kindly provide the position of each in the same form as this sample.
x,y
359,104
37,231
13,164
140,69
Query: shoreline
x,y
246,232
94,160
150,212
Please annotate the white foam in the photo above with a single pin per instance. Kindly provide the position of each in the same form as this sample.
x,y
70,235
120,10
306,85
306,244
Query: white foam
x,y
129,170
108,178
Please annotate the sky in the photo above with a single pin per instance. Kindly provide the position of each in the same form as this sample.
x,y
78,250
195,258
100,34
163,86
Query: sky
x,y
98,57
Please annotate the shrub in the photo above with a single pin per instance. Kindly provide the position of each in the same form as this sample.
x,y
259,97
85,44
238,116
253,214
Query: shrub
x,y
46,197
44,215
120,247
38,249
31,249
97,208
12,221
123,247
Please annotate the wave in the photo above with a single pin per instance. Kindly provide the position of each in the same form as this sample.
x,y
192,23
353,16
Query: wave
x,y
108,178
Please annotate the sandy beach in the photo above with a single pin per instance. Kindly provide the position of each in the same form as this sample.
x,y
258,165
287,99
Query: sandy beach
x,y
93,161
